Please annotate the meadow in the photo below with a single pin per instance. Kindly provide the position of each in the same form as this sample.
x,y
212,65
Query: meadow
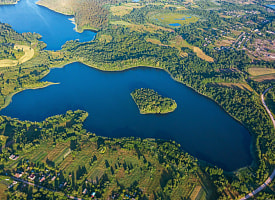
x,y
168,18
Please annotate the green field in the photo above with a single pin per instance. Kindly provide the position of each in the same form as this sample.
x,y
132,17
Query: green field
x,y
172,18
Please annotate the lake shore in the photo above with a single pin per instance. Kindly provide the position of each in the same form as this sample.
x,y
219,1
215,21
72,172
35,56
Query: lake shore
x,y
68,13
8,99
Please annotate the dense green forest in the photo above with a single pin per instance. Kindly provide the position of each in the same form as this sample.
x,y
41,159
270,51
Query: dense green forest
x,y
123,43
149,101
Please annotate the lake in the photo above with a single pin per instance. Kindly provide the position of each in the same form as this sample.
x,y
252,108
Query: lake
x,y
54,28
201,127
175,24
271,6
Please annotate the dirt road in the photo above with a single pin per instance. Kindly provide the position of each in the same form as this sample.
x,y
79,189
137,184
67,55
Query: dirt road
x,y
271,177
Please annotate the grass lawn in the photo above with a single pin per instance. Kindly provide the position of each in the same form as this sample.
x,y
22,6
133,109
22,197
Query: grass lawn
x,y
260,71
28,54
124,9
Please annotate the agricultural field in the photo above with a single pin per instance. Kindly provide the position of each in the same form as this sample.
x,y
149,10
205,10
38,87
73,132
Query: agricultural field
x,y
124,23
202,55
240,86
226,41
178,42
177,7
72,160
124,9
143,28
260,71
121,165
269,77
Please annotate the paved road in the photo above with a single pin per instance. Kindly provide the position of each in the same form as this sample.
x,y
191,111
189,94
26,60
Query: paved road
x,y
271,177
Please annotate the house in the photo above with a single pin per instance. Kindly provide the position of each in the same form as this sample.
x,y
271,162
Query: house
x,y
13,157
53,178
32,177
18,174
84,191
93,195
42,179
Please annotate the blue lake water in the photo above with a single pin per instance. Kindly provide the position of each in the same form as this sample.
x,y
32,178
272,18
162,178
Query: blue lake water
x,y
198,124
271,6
181,19
201,127
175,24
54,28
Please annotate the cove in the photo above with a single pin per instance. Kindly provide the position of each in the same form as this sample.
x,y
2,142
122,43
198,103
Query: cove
x,y
201,127
55,28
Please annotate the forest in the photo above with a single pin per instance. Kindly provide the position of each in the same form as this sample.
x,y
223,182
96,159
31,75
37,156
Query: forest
x,y
226,81
150,102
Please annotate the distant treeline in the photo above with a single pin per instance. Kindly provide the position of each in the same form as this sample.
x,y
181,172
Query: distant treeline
x,y
3,2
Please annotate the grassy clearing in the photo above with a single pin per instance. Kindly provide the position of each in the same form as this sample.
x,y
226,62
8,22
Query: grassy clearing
x,y
153,41
54,153
105,38
148,28
121,10
260,71
3,190
142,28
223,43
40,156
269,77
124,9
202,55
28,54
242,86
8,63
198,193
175,6
62,156
120,23
171,18
178,42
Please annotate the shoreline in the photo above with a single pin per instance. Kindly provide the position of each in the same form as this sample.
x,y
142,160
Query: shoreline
x,y
72,19
253,138
8,99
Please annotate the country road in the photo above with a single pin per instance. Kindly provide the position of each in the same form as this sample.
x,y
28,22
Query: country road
x,y
271,177
44,188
